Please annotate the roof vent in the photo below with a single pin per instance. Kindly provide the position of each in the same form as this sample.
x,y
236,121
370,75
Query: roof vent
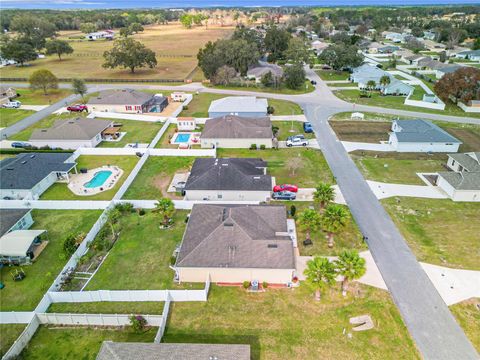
x,y
256,177
24,162
44,130
10,169
32,156
272,246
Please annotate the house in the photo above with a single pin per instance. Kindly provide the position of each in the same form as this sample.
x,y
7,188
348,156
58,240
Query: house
x,y
473,55
396,87
365,73
421,136
7,94
257,72
231,131
224,179
127,101
387,49
71,133
28,175
106,34
414,59
237,243
186,123
439,73
172,351
15,219
318,46
403,54
178,96
429,35
395,37
373,47
245,106
433,45
463,182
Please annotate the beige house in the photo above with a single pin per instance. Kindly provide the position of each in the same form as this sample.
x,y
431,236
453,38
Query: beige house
x,y
236,243
231,131
127,101
6,94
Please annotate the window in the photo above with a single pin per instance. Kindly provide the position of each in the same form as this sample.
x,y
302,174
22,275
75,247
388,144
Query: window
x,y
128,107
453,162
219,196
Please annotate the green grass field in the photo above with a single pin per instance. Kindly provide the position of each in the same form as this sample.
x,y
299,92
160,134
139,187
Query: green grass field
x,y
38,97
332,75
156,175
9,333
164,141
468,317
66,343
140,258
285,129
136,132
106,307
259,88
9,117
311,166
60,191
24,295
289,324
436,232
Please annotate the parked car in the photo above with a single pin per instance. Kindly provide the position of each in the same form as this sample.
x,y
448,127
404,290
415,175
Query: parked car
x,y
313,82
295,141
77,108
298,136
285,187
284,195
12,104
307,127
19,144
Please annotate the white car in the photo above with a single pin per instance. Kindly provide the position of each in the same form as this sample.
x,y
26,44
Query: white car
x,y
295,141
12,105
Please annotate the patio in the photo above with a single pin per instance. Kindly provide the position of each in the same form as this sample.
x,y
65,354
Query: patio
x,y
94,181
185,139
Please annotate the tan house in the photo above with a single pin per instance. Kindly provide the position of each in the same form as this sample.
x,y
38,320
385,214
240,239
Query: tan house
x,y
127,101
236,243
6,94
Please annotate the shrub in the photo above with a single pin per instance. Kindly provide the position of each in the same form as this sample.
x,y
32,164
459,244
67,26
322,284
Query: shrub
x,y
275,130
262,147
270,109
293,210
141,212
124,207
265,285
253,147
173,259
69,245
246,284
138,323
185,107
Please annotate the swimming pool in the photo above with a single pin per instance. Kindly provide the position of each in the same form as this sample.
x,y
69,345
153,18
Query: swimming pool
x,y
98,179
182,138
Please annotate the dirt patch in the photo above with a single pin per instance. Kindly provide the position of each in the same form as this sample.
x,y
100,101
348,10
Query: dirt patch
x,y
470,139
368,131
161,182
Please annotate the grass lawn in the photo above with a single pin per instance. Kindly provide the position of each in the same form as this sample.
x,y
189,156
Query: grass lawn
x,y
312,166
37,97
9,117
10,333
283,90
369,117
339,84
468,316
289,324
164,141
140,258
45,123
60,191
106,307
155,176
24,295
418,93
62,343
439,231
285,127
469,134
332,75
176,49
361,131
198,107
397,102
137,131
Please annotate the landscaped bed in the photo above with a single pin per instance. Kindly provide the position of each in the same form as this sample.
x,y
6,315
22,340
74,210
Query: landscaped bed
x,y
60,191
62,343
25,295
9,333
8,117
290,324
439,231
156,175
304,167
468,316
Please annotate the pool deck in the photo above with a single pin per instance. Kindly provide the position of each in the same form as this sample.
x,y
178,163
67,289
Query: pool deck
x,y
77,181
192,140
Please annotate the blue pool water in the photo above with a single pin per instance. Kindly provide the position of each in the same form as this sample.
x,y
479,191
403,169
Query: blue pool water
x,y
182,138
98,179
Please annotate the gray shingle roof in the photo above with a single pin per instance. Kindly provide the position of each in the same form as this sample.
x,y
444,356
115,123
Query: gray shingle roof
x,y
25,170
237,236
121,97
9,217
238,104
229,174
237,127
263,67
172,351
463,180
72,129
422,131
469,161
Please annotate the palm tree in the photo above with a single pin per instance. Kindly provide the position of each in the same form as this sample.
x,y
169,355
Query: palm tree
x,y
309,220
351,266
324,194
320,273
371,84
384,81
166,209
334,219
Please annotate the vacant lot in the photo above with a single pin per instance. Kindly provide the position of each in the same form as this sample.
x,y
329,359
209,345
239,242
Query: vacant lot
x,y
305,167
469,134
289,128
260,88
38,97
468,316
176,49
62,343
140,258
361,131
439,231
156,175
332,75
9,117
60,191
289,324
24,295
10,333
136,132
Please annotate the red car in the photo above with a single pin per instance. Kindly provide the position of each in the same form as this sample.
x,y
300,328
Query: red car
x,y
78,108
285,187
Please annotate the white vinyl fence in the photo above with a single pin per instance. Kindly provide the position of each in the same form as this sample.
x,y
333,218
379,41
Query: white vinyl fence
x,y
468,109
181,204
159,135
151,151
122,116
16,317
131,177
22,340
425,104
94,319
54,204
161,328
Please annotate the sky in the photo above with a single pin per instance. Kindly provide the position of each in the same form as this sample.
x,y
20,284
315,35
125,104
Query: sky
x,y
99,4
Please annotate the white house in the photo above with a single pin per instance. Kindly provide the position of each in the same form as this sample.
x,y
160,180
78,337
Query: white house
x,y
186,124
106,34
237,243
246,106
473,55
178,96
421,136
225,179
462,183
